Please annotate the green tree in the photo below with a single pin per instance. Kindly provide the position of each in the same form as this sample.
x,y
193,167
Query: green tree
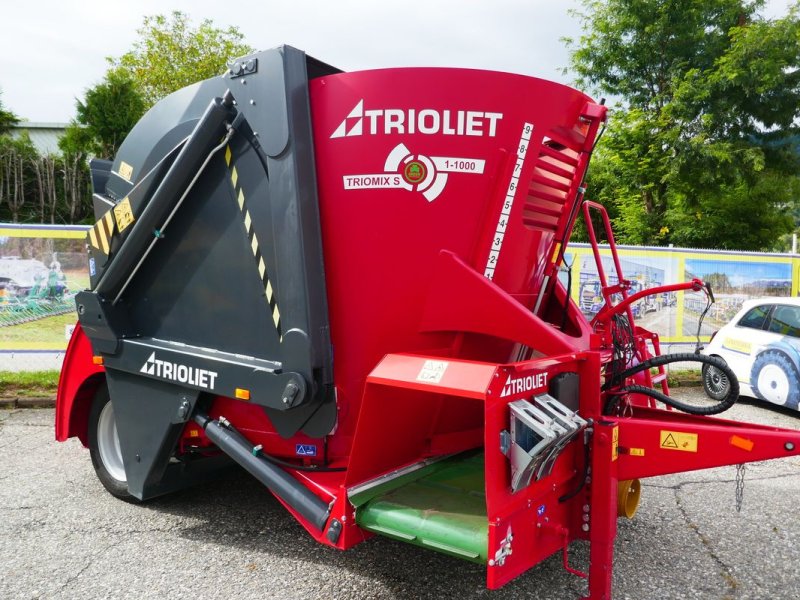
x,y
75,146
7,119
107,114
697,151
17,179
172,54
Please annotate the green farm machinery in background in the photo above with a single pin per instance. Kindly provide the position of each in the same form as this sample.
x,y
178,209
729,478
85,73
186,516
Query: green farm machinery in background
x,y
47,296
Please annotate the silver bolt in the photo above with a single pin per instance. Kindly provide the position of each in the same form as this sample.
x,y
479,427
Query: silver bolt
x,y
253,102
585,527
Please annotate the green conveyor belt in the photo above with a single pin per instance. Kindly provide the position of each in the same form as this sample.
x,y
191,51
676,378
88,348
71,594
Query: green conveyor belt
x,y
443,509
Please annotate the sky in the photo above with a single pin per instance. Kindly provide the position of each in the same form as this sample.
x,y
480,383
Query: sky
x,y
52,51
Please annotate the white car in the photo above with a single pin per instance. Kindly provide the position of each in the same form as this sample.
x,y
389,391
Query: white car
x,y
761,345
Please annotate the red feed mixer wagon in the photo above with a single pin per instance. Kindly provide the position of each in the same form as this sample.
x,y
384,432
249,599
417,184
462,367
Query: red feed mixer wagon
x,y
348,284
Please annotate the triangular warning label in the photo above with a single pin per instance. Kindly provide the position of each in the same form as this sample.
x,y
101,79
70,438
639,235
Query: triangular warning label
x,y
669,442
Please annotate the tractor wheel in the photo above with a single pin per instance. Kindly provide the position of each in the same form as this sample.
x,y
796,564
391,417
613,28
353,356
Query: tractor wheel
x,y
104,447
715,382
775,379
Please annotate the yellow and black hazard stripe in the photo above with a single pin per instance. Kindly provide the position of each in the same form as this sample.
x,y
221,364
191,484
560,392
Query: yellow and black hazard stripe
x,y
101,233
252,239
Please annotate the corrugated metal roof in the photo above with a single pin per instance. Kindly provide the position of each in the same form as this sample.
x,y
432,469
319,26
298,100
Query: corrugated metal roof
x,y
44,136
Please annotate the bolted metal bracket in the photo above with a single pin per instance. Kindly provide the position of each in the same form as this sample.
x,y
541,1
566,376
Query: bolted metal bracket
x,y
184,410
290,394
243,67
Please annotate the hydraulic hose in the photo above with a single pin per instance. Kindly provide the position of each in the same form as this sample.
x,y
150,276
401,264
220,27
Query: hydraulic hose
x,y
729,400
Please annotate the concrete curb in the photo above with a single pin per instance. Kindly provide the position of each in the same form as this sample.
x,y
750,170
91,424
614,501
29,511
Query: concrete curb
x,y
11,403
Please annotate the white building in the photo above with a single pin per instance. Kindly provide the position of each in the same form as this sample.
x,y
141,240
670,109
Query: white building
x,y
44,136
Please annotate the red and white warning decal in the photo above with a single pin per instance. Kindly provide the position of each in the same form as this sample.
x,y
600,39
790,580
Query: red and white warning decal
x,y
414,172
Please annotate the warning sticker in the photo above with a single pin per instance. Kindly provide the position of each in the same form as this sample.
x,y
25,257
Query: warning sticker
x,y
305,450
432,371
123,214
615,443
126,171
678,440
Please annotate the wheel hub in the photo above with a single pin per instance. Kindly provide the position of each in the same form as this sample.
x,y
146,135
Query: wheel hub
x,y
773,384
108,444
716,380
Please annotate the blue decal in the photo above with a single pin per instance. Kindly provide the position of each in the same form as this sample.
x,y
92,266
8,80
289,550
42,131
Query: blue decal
x,y
92,267
305,450
540,510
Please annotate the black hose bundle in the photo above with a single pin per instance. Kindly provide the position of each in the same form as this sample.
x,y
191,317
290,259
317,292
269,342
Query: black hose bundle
x,y
729,400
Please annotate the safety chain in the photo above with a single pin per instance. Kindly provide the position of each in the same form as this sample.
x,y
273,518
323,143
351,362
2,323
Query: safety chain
x,y
739,493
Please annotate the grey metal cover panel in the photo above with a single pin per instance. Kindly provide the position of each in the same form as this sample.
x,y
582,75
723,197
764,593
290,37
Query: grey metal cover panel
x,y
225,269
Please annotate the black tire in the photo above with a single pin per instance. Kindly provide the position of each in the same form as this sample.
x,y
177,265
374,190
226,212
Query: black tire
x,y
716,383
107,463
767,384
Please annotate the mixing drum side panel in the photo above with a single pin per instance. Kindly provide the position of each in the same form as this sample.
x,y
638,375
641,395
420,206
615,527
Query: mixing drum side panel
x,y
411,162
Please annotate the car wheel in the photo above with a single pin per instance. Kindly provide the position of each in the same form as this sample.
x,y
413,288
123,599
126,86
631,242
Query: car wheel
x,y
716,383
775,379
104,447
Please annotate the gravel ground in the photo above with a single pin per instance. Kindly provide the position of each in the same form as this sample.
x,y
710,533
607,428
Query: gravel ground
x,y
63,536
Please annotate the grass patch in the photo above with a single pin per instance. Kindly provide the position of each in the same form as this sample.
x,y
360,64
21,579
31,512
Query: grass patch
x,y
28,384
47,333
685,378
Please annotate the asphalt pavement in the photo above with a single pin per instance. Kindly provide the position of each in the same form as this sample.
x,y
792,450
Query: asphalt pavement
x,y
63,536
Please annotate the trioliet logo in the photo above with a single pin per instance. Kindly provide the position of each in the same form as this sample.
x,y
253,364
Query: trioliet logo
x,y
427,121
177,372
524,384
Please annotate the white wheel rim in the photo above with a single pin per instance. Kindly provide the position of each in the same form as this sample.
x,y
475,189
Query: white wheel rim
x,y
108,444
773,384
